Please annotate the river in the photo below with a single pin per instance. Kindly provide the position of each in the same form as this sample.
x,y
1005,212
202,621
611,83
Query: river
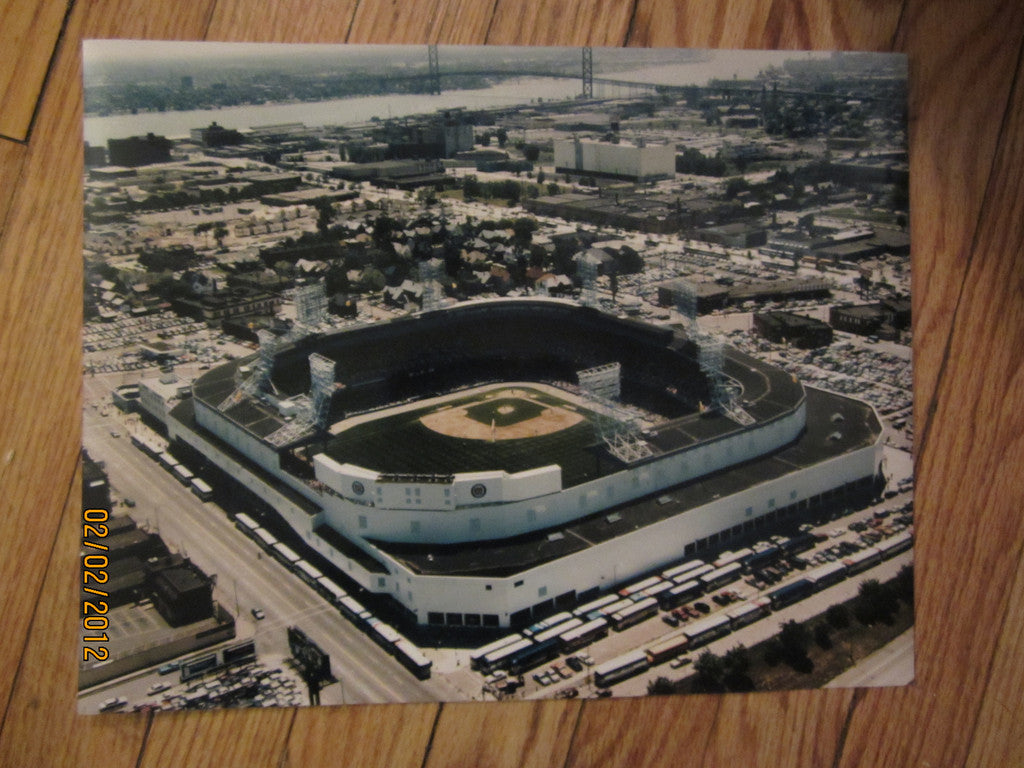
x,y
721,64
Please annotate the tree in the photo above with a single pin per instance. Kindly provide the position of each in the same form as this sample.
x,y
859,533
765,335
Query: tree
x,y
876,602
822,636
794,639
324,216
710,670
336,279
736,663
219,233
838,616
383,227
502,135
471,187
523,229
904,584
660,686
736,186
531,152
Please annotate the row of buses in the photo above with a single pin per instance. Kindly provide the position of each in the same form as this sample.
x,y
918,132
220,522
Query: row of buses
x,y
179,471
386,636
713,627
568,631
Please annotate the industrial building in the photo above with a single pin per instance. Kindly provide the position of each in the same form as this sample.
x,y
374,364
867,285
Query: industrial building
x,y
139,150
789,328
634,162
714,295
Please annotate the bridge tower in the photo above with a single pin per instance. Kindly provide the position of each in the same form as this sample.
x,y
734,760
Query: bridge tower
x,y
435,69
588,73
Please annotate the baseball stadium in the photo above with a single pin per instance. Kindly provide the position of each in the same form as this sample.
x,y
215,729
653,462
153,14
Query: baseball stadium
x,y
487,463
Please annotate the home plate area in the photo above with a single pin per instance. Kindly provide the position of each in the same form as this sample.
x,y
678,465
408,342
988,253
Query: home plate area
x,y
507,414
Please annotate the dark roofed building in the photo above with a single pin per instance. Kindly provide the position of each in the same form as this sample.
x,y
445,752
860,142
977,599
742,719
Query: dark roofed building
x,y
798,330
139,150
215,135
183,594
95,488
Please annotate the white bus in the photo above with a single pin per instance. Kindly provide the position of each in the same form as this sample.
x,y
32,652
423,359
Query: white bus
x,y
583,635
201,489
627,665
705,630
477,656
680,570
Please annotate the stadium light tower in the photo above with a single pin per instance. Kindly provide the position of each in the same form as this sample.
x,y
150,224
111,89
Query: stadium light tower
x,y
321,387
431,274
310,305
587,267
686,304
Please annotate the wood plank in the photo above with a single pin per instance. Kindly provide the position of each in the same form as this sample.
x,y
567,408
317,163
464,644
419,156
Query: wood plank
x,y
998,737
40,354
383,736
28,37
254,738
645,731
791,728
452,22
960,60
697,24
971,534
12,157
462,22
292,21
41,727
509,735
570,22
859,25
386,21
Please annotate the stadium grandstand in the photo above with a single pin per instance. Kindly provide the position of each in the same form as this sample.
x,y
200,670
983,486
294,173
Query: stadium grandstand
x,y
462,465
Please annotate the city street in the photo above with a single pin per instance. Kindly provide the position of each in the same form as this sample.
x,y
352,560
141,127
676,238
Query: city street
x,y
246,578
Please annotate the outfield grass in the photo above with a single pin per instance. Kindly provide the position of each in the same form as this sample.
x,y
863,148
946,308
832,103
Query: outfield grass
x,y
400,443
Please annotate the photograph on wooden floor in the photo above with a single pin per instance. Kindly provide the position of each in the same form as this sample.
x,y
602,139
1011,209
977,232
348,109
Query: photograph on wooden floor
x,y
430,373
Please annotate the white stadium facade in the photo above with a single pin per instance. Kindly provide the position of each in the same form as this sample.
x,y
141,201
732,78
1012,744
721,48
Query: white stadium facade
x,y
326,430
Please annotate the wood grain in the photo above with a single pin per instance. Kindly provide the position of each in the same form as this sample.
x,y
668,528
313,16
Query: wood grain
x,y
694,23
962,57
40,355
253,738
41,727
12,157
281,21
971,517
967,146
513,735
28,36
644,731
569,22
793,728
380,736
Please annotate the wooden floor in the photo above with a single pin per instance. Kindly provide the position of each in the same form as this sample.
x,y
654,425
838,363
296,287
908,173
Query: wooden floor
x,y
967,155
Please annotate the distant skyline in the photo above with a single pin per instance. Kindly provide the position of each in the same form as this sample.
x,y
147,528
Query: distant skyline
x,y
188,55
